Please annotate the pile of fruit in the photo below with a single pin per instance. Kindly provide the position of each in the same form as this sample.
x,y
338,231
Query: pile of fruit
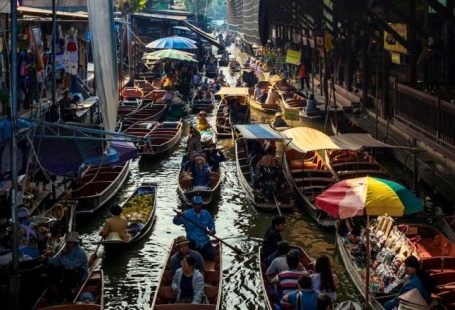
x,y
138,208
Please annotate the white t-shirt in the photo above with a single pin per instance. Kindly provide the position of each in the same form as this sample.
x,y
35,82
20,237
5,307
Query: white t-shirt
x,y
316,284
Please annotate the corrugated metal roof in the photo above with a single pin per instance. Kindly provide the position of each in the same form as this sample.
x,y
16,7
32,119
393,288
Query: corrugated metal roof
x,y
159,16
41,12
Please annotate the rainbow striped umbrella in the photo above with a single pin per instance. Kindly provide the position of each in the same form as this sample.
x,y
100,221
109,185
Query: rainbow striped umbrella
x,y
368,196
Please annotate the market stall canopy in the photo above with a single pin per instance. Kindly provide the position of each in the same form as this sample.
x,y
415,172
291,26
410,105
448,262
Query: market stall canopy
x,y
181,28
159,16
306,139
368,196
175,42
206,36
172,54
259,132
356,141
233,91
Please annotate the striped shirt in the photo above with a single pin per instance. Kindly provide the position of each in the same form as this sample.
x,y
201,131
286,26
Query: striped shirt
x,y
287,280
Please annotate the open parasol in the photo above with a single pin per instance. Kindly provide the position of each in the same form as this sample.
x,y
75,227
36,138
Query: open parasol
x,y
175,42
171,54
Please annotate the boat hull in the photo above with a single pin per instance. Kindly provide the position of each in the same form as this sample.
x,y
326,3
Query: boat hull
x,y
187,194
164,138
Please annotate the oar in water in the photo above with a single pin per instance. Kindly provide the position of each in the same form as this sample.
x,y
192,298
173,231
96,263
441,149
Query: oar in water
x,y
236,249
277,203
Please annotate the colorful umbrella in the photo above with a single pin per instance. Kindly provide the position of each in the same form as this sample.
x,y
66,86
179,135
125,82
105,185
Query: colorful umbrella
x,y
368,196
173,42
172,54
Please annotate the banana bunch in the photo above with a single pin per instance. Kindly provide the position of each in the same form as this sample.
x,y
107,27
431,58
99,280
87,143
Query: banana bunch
x,y
138,208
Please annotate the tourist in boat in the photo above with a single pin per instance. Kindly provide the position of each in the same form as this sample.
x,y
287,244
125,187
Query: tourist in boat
x,y
182,244
279,121
69,268
201,173
272,97
263,97
311,105
188,283
266,179
287,281
199,238
323,280
202,123
194,141
279,263
214,157
272,237
415,278
116,226
304,297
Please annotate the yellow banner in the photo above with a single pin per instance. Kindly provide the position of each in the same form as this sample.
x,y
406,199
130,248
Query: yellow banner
x,y
293,57
390,42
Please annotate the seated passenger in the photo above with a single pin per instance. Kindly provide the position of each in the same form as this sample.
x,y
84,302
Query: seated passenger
x,y
304,297
202,123
279,121
323,280
201,173
116,225
272,97
188,283
194,141
184,250
287,281
279,263
214,157
257,92
263,97
311,105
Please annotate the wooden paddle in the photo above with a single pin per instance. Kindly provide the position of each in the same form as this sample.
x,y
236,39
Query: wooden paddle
x,y
236,249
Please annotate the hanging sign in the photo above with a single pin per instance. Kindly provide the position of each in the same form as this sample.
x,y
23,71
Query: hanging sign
x,y
291,114
390,43
396,58
293,57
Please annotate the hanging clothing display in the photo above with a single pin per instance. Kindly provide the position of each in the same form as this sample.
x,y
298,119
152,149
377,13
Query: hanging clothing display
x,y
71,52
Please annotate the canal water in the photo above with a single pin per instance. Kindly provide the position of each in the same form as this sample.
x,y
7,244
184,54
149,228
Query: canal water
x,y
131,277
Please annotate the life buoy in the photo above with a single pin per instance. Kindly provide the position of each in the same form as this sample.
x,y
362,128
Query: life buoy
x,y
58,211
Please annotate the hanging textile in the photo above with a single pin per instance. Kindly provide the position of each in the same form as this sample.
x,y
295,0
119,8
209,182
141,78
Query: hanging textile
x,y
100,15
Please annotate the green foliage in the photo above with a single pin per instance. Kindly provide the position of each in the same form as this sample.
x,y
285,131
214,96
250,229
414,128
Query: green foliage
x,y
127,6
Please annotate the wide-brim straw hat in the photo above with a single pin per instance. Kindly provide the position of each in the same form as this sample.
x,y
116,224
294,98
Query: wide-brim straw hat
x,y
181,240
278,114
200,158
202,113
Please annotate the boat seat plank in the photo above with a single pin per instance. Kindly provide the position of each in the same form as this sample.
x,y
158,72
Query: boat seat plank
x,y
443,277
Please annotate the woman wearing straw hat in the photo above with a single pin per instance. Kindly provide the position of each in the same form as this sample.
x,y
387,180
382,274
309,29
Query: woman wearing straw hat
x,y
202,123
279,121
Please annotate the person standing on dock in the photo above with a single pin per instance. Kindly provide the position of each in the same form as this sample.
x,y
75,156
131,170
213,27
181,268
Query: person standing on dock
x,y
199,239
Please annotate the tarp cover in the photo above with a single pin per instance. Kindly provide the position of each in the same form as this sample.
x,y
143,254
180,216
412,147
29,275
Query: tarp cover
x,y
306,139
203,34
259,131
104,58
355,141
233,91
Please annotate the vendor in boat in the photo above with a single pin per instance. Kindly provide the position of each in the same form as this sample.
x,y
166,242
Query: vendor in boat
x,y
183,246
272,237
188,283
201,173
198,237
70,113
202,123
116,226
194,141
69,269
257,92
279,121
304,297
311,105
415,278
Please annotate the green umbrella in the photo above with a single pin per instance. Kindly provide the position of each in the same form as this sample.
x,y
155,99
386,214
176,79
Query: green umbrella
x,y
172,54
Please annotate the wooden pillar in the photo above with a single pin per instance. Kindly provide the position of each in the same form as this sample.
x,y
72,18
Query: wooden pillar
x,y
348,58
448,55
385,83
365,70
412,72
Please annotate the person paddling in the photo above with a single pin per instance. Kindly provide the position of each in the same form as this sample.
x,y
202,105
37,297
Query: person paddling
x,y
199,239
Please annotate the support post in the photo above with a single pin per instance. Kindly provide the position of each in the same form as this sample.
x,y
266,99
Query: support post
x,y
448,53
412,72
385,83
54,44
365,73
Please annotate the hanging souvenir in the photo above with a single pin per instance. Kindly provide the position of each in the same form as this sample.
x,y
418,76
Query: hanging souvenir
x,y
71,52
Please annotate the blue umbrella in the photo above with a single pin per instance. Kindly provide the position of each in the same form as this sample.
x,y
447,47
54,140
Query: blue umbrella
x,y
174,42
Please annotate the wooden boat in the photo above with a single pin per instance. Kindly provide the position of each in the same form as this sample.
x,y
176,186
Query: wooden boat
x,y
205,104
139,129
309,176
187,192
244,170
98,184
145,85
284,86
294,100
344,124
93,284
147,113
264,108
131,93
144,197
267,289
164,298
225,118
164,137
448,227
352,164
154,95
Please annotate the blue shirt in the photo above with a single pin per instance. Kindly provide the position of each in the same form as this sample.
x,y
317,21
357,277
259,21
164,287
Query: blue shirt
x,y
309,299
75,259
412,282
194,233
5,127
201,177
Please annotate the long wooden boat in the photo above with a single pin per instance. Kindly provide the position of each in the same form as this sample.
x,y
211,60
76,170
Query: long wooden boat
x,y
93,284
309,176
351,164
146,113
145,85
244,169
130,93
205,104
224,118
164,137
98,184
294,100
187,192
139,208
154,95
164,298
343,124
284,86
267,289
264,108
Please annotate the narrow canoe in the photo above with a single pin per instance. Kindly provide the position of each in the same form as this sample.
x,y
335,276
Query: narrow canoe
x,y
264,108
135,206
309,176
225,117
205,104
267,289
187,192
164,298
98,184
164,137
244,168
131,93
146,113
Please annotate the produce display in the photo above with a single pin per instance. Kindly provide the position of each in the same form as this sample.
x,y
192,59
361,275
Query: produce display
x,y
138,208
